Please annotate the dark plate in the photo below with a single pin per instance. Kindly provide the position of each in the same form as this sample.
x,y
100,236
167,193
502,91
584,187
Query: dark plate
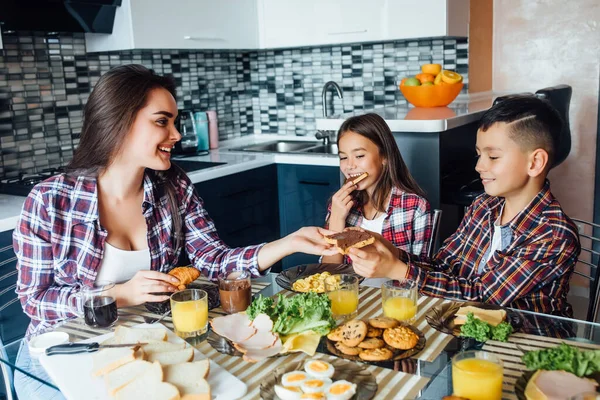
x,y
521,383
398,354
287,277
366,385
441,317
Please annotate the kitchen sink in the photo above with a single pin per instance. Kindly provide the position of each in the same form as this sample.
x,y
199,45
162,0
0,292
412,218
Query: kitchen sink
x,y
331,148
280,146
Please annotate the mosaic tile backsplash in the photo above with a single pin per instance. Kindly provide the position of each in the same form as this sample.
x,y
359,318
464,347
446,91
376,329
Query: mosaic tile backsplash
x,y
45,81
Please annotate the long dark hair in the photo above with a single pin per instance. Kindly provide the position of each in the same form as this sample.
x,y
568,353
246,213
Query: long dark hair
x,y
108,116
395,172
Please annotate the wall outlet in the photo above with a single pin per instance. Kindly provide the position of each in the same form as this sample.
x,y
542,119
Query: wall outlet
x,y
580,227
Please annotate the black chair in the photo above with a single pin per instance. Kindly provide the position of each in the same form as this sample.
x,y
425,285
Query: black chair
x,y
435,233
594,259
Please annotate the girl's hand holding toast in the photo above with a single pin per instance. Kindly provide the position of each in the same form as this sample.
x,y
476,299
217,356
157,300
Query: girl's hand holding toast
x,y
341,204
379,260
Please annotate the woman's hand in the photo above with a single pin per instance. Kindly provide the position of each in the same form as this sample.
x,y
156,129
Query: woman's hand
x,y
379,260
341,204
139,289
310,240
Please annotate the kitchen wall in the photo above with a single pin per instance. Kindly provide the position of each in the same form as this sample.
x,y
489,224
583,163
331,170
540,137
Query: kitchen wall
x,y
542,43
45,80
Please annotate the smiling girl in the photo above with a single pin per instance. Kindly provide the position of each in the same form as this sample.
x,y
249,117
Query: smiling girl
x,y
388,201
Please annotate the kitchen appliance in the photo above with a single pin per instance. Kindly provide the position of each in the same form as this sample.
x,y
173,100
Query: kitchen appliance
x,y
201,122
186,125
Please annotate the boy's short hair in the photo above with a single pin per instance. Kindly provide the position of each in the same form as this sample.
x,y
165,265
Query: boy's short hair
x,y
533,123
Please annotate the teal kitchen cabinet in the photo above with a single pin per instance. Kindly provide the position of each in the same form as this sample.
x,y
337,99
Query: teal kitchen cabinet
x,y
304,191
243,206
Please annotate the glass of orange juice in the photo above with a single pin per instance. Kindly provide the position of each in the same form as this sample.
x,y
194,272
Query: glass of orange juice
x,y
477,375
399,299
189,310
343,293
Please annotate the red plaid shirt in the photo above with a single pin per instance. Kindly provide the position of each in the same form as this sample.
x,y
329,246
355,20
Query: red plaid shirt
x,y
531,274
59,243
408,223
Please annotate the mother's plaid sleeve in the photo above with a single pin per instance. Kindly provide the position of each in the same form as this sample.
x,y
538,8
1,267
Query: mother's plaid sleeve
x,y
41,298
422,229
205,249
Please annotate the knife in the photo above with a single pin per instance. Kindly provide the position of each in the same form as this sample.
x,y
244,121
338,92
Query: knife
x,y
75,348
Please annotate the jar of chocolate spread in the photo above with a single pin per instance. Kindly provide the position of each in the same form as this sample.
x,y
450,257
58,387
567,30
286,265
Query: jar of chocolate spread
x,y
235,291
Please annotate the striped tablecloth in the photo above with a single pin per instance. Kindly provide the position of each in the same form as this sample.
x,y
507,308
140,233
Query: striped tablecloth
x,y
369,306
511,355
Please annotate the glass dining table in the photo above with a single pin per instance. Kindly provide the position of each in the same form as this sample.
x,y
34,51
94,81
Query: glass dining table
x,y
426,375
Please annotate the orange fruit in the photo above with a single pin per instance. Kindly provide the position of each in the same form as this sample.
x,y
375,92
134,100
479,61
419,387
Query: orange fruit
x,y
438,79
432,69
425,77
451,77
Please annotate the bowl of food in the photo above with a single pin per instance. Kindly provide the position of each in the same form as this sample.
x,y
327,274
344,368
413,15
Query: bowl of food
x,y
433,87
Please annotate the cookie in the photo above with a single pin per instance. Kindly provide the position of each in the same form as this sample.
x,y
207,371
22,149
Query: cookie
x,y
351,351
371,343
354,332
400,337
376,354
374,332
336,334
383,322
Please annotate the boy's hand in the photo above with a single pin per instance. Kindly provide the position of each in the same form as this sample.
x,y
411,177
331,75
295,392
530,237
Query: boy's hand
x,y
341,204
379,260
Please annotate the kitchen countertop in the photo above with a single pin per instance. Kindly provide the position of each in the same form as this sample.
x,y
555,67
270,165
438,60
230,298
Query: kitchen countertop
x,y
236,161
466,108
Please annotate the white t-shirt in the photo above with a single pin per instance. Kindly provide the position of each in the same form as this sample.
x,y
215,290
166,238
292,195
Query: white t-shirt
x,y
374,225
121,265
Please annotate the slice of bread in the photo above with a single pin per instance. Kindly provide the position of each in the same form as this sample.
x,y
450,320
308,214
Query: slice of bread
x,y
149,386
124,334
186,373
199,390
161,347
119,377
172,357
359,178
107,360
349,238
492,317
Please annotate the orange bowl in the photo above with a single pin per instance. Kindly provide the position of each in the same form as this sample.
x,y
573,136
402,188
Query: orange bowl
x,y
431,96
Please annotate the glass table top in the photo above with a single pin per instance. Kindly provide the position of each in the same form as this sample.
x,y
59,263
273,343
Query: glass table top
x,y
433,365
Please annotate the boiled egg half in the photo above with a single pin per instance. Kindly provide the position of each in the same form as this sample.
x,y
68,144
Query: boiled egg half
x,y
294,378
341,390
288,392
319,369
315,385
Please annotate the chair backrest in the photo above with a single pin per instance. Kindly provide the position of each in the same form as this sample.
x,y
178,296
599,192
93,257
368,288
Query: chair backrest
x,y
7,375
594,258
435,232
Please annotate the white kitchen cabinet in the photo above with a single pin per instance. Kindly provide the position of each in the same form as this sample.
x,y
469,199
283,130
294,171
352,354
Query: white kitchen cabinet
x,y
294,23
180,24
407,19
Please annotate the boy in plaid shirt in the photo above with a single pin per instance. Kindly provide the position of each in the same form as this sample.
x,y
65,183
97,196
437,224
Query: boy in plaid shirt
x,y
515,247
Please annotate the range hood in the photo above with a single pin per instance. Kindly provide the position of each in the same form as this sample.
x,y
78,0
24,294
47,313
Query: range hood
x,y
59,15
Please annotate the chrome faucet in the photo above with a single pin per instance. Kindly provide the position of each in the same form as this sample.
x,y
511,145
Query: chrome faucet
x,y
337,88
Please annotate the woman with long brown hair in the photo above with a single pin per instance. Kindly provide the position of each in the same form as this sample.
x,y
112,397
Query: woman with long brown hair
x,y
123,213
388,201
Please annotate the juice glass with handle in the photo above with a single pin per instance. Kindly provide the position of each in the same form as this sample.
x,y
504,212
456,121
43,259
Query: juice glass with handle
x,y
399,299
189,310
477,375
342,290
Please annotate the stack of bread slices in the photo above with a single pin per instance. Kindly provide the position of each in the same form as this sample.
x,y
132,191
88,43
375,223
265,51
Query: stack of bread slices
x,y
157,370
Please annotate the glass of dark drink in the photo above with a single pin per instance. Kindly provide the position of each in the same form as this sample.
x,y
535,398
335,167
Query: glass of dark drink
x,y
99,308
235,291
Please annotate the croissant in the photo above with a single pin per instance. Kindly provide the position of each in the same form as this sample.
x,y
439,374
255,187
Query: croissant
x,y
186,275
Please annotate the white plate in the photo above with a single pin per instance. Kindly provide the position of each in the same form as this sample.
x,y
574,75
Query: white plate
x,y
73,373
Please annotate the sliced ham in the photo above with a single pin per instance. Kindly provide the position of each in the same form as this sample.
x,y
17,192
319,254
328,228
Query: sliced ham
x,y
260,340
256,355
263,322
557,385
235,327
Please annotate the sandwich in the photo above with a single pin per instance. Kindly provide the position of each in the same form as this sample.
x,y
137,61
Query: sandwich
x,y
492,317
359,178
348,238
